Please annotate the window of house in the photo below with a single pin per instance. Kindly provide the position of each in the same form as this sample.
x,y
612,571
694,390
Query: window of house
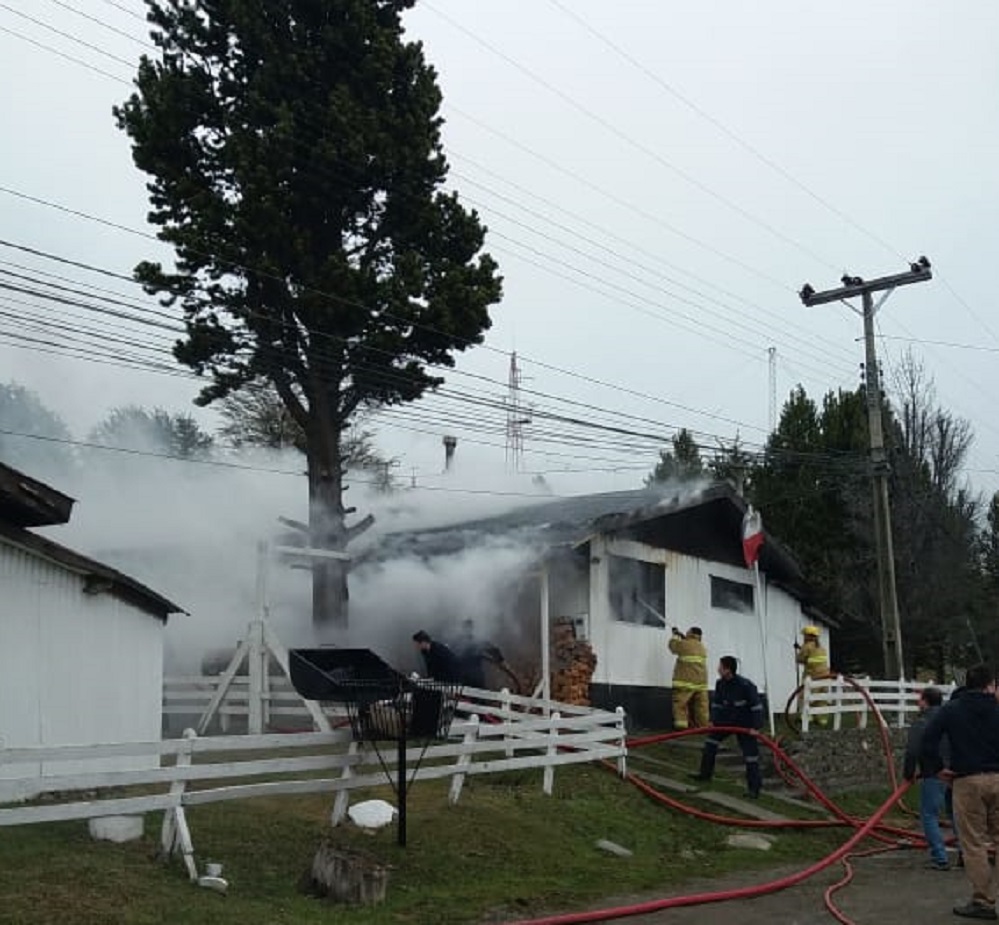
x,y
731,595
637,591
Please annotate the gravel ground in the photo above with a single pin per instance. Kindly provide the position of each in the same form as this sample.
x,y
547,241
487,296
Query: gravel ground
x,y
892,889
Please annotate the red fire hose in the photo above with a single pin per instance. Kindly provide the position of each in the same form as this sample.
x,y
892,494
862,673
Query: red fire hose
x,y
749,892
872,827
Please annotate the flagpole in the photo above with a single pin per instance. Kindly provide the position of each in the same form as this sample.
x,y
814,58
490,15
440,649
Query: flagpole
x,y
761,615
753,538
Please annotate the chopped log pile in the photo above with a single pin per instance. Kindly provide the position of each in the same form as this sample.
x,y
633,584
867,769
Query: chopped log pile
x,y
573,664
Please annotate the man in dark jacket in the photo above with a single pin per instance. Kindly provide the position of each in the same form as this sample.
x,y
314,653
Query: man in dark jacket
x,y
932,789
971,725
735,702
441,663
473,655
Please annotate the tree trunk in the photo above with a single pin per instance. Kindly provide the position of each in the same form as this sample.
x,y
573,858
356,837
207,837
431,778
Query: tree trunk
x,y
346,876
326,524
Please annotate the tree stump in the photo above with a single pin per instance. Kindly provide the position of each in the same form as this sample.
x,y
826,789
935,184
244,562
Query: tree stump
x,y
344,876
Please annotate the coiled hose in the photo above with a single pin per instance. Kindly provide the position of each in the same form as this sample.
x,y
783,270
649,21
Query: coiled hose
x,y
874,827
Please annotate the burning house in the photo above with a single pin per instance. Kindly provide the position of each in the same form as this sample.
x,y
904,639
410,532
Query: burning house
x,y
623,568
81,644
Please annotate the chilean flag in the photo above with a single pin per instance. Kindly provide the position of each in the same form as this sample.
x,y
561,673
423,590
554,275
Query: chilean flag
x,y
752,536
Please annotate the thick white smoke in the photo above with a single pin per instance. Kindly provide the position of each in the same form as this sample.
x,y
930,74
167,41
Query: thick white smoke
x,y
191,531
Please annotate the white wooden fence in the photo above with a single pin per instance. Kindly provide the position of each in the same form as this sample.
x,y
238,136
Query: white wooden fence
x,y
827,701
193,770
190,697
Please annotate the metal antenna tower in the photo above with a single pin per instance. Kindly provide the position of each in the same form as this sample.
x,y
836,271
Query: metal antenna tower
x,y
516,418
772,418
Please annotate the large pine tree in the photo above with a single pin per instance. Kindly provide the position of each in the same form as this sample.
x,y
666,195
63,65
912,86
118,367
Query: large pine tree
x,y
296,168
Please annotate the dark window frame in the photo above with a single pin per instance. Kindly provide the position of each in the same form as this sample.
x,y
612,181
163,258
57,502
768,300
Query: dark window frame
x,y
647,581
736,596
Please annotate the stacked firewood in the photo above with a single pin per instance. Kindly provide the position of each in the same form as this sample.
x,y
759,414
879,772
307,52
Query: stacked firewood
x,y
573,664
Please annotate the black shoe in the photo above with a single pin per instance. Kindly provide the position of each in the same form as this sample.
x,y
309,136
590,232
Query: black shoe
x,y
975,910
752,794
703,778
937,865
960,860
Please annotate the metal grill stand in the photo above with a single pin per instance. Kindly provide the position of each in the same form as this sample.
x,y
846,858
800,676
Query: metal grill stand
x,y
382,704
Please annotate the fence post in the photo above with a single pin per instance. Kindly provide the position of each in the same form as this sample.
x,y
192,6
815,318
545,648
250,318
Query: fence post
x,y
551,752
838,715
901,703
175,834
342,802
622,761
464,759
864,707
505,705
805,697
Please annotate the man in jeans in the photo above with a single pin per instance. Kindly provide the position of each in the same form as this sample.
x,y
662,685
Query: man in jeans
x,y
932,789
971,724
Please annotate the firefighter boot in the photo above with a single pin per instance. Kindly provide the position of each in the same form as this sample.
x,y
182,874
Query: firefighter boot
x,y
707,761
754,780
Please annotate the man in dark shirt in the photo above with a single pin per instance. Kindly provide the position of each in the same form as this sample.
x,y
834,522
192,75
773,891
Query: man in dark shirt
x,y
441,663
932,789
473,655
735,702
971,725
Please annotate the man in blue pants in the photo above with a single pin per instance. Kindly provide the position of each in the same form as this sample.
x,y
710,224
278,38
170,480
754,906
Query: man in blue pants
x,y
735,702
932,789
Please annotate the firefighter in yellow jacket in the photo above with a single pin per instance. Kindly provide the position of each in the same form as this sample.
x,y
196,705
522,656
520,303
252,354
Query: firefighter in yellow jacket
x,y
815,661
690,679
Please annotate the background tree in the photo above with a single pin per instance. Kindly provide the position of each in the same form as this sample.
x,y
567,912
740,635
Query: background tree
x,y
22,412
296,167
814,489
681,463
257,417
135,428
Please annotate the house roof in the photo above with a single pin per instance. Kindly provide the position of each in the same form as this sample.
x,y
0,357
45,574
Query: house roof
x,y
98,578
706,523
26,502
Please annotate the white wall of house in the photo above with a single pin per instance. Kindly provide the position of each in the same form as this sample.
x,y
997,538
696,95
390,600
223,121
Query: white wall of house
x,y
75,669
634,654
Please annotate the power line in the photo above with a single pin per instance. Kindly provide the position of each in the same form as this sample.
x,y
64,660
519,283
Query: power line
x,y
66,35
975,315
246,467
617,270
104,25
541,364
632,142
940,343
728,132
617,254
65,55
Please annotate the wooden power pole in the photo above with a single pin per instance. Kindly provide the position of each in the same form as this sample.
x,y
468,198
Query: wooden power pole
x,y
919,272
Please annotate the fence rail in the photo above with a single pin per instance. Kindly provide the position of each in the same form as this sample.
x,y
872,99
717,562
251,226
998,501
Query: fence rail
x,y
189,697
500,732
827,701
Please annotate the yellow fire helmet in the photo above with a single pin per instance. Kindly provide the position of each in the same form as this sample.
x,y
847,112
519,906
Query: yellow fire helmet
x,y
811,631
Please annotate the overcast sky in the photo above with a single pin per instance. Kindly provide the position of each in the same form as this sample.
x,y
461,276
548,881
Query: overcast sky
x,y
642,244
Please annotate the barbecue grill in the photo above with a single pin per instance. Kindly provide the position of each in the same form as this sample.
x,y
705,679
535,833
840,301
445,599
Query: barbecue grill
x,y
383,705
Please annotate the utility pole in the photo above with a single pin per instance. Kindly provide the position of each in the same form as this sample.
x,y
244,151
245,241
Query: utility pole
x,y
919,272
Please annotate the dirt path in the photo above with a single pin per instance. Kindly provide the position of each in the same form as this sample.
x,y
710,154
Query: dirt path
x,y
892,889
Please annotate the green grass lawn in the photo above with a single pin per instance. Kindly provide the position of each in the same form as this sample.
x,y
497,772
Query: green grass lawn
x,y
505,851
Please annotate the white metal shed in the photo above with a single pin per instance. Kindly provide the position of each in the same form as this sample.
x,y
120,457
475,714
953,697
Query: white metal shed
x,y
81,644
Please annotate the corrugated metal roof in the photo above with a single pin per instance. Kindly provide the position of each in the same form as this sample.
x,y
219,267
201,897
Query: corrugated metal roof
x,y
706,523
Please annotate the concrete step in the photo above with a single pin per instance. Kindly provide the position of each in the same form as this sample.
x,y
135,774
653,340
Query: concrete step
x,y
746,808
